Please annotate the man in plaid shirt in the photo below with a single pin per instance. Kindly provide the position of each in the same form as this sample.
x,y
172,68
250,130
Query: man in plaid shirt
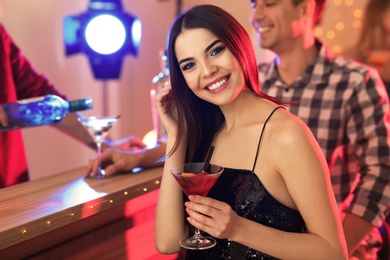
x,y
345,105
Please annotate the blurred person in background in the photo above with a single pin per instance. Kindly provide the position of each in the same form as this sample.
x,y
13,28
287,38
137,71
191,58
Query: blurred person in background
x,y
345,105
373,44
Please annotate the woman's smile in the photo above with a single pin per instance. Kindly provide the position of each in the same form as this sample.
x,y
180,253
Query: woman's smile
x,y
217,85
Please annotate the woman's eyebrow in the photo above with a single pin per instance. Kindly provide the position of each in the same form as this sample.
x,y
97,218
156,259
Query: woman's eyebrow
x,y
212,45
206,50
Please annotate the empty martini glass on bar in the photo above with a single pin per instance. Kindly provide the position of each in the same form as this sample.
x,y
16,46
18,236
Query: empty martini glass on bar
x,y
194,180
98,127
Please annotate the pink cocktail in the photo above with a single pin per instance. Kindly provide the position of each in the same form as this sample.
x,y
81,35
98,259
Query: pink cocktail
x,y
194,180
196,183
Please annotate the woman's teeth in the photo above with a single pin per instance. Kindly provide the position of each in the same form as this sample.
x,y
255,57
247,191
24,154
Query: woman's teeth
x,y
218,84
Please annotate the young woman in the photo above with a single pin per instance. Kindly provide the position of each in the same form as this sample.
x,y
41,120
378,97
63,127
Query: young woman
x,y
274,198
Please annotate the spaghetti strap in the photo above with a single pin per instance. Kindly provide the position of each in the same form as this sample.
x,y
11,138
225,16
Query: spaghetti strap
x,y
261,135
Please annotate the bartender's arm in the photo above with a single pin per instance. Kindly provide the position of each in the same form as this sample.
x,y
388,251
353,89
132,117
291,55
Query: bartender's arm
x,y
71,126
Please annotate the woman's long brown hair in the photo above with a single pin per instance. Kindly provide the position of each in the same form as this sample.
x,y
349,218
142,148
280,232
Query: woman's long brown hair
x,y
199,120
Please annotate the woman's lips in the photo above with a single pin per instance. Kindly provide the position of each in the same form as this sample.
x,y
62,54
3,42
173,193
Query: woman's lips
x,y
217,84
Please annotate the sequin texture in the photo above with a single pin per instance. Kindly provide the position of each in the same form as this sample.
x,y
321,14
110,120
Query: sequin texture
x,y
245,193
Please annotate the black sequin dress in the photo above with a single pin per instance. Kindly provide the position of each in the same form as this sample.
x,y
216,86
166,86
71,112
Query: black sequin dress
x,y
245,193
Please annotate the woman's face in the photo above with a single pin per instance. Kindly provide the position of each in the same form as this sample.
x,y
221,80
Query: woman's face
x,y
211,71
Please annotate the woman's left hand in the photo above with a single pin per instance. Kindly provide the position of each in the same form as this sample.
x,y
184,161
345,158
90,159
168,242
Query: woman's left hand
x,y
212,216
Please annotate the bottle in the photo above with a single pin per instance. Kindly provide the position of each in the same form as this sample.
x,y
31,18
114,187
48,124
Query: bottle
x,y
158,82
42,110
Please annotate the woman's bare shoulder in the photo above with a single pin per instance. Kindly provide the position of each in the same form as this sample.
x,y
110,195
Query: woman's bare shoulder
x,y
288,129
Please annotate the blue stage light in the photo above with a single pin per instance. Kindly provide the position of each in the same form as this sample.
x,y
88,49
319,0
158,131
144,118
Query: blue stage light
x,y
105,33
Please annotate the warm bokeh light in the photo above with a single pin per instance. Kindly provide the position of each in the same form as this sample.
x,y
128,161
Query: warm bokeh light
x,y
337,49
341,23
357,13
337,2
348,2
357,24
340,26
330,34
150,139
318,32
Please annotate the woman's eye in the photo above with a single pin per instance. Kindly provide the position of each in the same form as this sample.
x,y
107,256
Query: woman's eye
x,y
217,50
187,66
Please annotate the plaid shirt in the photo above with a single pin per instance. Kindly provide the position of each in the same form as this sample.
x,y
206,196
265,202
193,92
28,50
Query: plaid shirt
x,y
346,107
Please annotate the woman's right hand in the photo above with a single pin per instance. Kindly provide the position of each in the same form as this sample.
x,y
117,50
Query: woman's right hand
x,y
167,109
3,117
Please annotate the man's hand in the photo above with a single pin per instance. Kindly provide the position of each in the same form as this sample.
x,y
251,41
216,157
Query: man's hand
x,y
127,143
119,160
112,161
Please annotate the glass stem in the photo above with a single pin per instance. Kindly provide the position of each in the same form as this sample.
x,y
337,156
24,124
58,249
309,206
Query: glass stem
x,y
197,234
99,151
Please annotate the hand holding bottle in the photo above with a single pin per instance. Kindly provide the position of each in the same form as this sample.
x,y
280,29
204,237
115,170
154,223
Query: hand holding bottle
x,y
3,117
39,111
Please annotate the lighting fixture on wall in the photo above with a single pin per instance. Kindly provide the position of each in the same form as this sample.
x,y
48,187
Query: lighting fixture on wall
x,y
105,33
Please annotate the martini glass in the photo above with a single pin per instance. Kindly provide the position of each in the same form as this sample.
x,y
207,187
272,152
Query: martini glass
x,y
195,181
98,127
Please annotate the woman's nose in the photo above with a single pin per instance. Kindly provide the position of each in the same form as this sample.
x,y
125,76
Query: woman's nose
x,y
208,69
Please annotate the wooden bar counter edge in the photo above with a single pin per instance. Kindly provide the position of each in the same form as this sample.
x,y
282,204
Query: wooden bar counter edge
x,y
43,213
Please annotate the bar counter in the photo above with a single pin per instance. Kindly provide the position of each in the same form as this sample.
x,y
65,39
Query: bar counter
x,y
69,216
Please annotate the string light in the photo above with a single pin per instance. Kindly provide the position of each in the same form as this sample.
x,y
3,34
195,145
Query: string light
x,y
96,205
